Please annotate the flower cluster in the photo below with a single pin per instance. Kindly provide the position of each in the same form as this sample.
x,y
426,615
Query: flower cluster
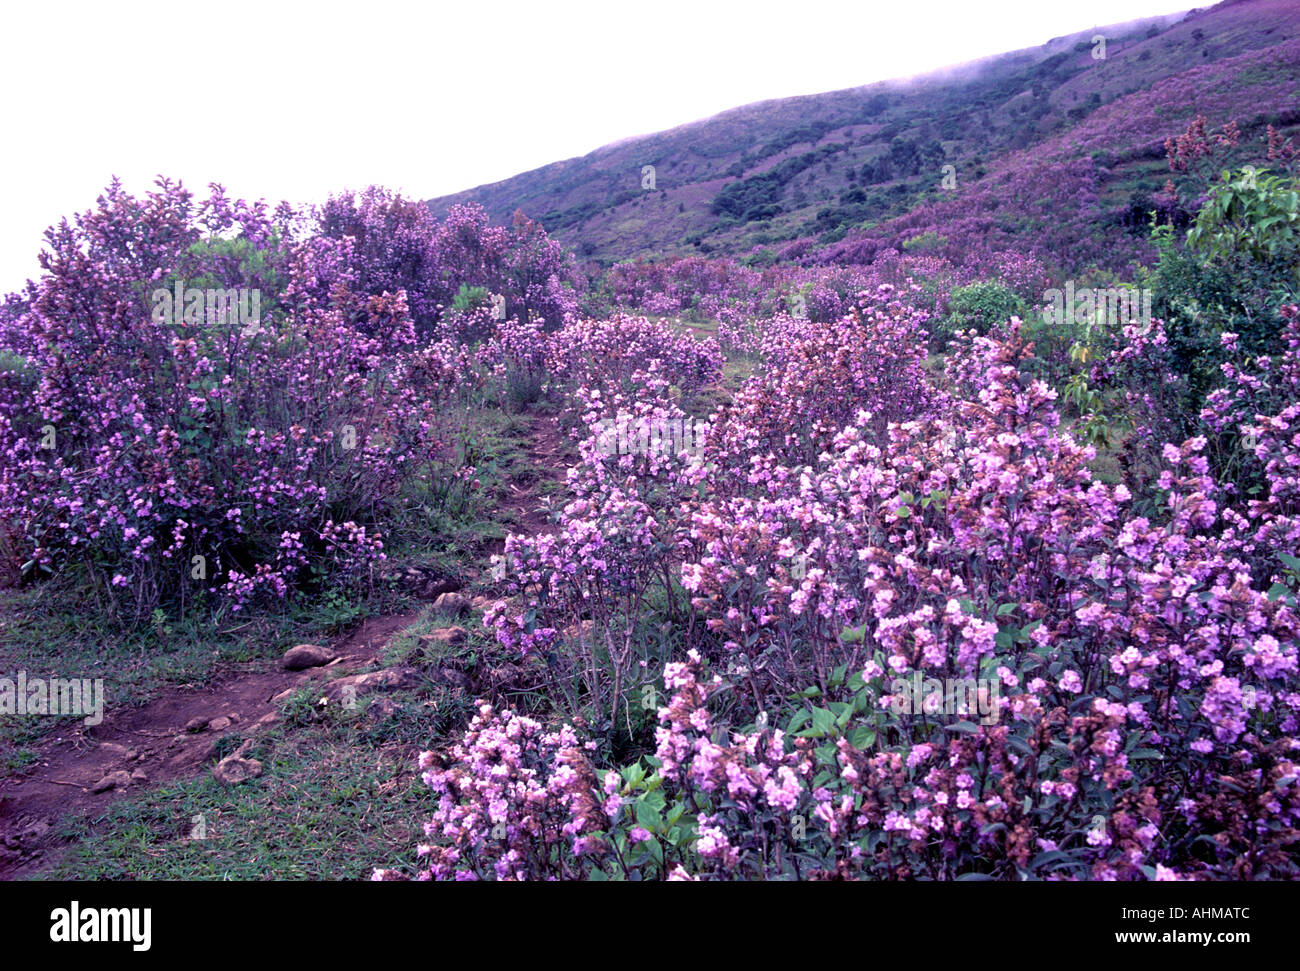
x,y
515,802
177,457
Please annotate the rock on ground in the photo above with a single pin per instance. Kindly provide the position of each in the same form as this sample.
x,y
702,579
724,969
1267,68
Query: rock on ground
x,y
114,780
306,656
452,603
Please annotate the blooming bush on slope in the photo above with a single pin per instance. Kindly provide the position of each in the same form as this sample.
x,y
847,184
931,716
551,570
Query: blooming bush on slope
x,y
172,456
590,589
1144,709
1049,796
602,354
400,245
870,359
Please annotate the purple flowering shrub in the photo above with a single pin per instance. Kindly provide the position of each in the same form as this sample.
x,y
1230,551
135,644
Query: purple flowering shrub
x,y
514,356
604,354
870,359
587,589
1131,659
174,457
400,245
840,793
392,247
590,591
515,801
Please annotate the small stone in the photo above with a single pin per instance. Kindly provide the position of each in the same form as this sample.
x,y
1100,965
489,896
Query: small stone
x,y
381,708
306,656
233,770
114,780
219,724
196,724
347,689
192,755
235,717
452,603
139,776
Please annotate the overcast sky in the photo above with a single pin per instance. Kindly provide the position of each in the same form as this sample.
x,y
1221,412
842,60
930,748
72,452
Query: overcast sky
x,y
295,101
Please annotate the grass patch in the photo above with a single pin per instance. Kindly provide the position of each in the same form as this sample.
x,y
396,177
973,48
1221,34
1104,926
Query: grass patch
x,y
329,805
49,630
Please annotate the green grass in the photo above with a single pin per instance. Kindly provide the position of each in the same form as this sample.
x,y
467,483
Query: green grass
x,y
330,804
738,369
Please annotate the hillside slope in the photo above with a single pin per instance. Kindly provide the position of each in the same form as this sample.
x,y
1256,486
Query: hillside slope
x,y
868,163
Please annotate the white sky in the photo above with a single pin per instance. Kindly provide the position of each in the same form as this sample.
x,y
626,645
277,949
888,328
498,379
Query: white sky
x,y
295,101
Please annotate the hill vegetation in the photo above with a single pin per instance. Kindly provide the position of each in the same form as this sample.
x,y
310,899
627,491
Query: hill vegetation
x,y
1034,138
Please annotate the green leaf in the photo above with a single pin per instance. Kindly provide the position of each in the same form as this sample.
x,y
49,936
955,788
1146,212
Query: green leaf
x,y
647,817
822,722
863,737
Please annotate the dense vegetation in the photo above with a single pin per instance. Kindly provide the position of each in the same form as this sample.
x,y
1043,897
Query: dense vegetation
x,y
875,558
1050,149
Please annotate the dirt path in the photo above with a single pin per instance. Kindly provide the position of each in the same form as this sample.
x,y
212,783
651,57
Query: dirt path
x,y
174,736
549,455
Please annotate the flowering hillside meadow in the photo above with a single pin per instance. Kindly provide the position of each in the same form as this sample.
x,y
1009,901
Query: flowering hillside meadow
x,y
960,560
